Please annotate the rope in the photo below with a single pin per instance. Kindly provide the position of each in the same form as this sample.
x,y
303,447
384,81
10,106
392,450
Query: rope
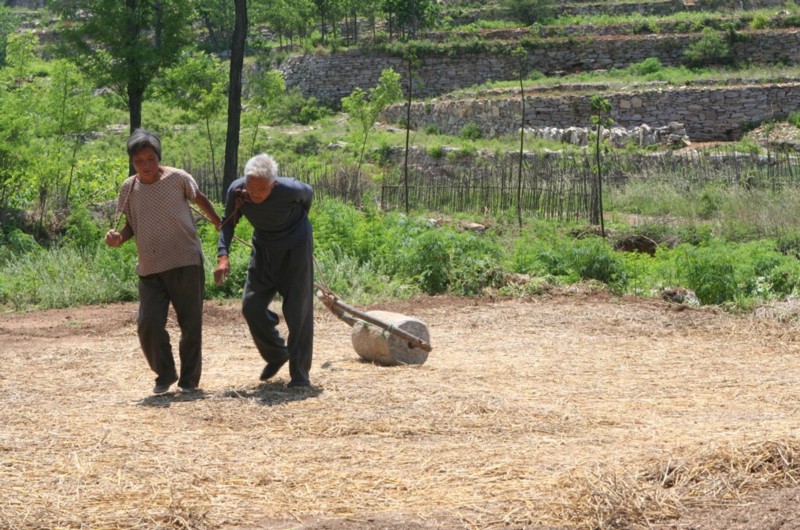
x,y
343,311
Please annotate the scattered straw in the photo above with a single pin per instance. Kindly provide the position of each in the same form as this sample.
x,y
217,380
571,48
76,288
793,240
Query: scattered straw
x,y
574,411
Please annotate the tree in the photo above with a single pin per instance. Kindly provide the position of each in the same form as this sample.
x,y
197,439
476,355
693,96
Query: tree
x,y
124,44
231,168
601,109
9,21
529,12
69,113
364,108
196,85
410,15
219,22
265,89
20,54
412,62
521,55
287,18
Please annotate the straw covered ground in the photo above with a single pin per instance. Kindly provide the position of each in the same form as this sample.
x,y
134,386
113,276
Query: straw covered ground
x,y
575,409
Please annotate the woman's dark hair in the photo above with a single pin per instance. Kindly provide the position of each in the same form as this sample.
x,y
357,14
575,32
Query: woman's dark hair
x,y
140,138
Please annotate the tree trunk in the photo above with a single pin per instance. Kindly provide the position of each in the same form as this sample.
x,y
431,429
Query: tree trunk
x,y
135,97
230,173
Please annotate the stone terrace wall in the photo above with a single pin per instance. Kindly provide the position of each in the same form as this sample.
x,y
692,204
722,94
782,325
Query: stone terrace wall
x,y
331,77
659,7
708,113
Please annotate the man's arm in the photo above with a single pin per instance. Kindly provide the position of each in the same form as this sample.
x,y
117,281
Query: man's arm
x,y
202,201
226,230
115,239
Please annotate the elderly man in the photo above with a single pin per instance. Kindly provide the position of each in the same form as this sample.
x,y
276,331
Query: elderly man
x,y
280,262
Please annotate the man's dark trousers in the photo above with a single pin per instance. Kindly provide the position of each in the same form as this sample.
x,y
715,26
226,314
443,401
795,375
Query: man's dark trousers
x,y
184,287
287,272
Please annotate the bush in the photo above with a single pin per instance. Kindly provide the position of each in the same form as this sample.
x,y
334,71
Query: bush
x,y
711,48
82,232
594,259
709,272
760,21
529,11
651,65
470,131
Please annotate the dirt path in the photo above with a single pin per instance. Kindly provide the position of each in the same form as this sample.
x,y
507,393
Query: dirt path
x,y
527,414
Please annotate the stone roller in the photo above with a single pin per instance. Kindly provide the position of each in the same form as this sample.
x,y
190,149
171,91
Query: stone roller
x,y
382,337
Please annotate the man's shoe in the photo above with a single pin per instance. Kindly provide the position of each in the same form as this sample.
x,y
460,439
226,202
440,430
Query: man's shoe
x,y
187,389
271,369
162,388
298,384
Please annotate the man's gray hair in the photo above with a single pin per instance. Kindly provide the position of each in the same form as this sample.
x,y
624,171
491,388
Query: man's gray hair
x,y
261,166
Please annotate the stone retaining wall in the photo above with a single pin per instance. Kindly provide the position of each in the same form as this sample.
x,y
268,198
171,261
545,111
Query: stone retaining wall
x,y
331,77
708,113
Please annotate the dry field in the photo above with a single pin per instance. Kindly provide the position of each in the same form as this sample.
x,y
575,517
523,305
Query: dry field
x,y
571,410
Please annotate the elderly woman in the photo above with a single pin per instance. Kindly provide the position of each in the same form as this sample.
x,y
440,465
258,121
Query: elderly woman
x,y
280,262
170,265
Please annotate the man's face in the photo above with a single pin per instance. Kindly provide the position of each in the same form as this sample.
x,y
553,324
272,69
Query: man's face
x,y
146,164
258,189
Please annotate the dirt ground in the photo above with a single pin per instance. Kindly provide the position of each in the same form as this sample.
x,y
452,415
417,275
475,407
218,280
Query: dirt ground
x,y
545,413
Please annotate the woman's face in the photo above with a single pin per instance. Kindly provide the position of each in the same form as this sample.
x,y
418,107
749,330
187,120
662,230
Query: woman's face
x,y
258,189
146,164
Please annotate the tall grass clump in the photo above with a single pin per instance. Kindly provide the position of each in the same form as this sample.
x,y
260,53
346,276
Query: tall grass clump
x,y
66,276
553,254
430,259
737,273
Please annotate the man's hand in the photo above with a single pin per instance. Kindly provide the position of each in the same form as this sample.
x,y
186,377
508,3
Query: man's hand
x,y
223,270
113,238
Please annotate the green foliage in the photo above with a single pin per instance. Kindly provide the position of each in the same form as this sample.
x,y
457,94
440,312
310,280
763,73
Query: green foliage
x,y
760,21
363,108
14,243
82,232
20,48
294,108
710,49
649,66
9,21
569,261
710,273
436,152
124,50
265,88
470,131
794,118
530,11
195,84
67,276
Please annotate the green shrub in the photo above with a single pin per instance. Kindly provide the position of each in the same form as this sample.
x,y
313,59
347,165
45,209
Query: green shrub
x,y
710,272
651,65
711,48
529,11
594,259
760,21
65,276
470,131
82,232
436,152
14,242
